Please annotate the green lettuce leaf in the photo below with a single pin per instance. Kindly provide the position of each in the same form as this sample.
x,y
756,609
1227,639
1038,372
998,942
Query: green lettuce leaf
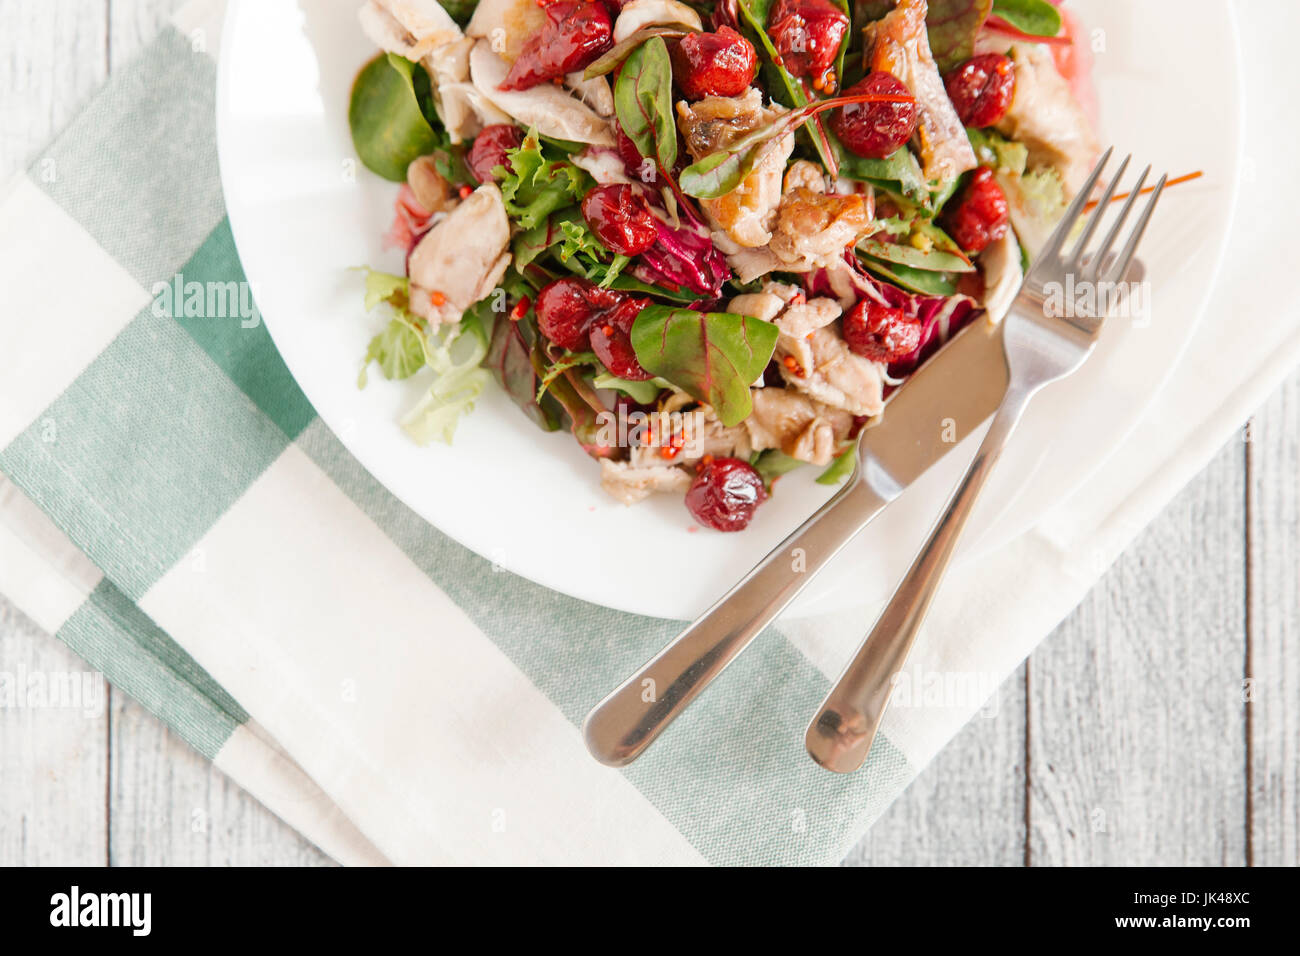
x,y
535,186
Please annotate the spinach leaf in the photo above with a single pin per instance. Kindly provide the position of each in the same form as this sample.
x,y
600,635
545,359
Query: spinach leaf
x,y
389,128
643,99
643,393
898,174
913,280
1036,17
774,463
952,25
906,255
460,10
713,356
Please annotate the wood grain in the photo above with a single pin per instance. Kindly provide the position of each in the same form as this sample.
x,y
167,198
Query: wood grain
x,y
1274,666
1137,727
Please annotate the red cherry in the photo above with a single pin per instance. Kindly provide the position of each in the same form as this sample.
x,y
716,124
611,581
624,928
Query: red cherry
x,y
567,307
807,35
621,218
579,31
489,150
611,340
982,89
714,64
980,214
725,494
880,333
876,130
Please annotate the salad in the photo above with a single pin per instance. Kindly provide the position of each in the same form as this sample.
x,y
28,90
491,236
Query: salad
x,y
707,239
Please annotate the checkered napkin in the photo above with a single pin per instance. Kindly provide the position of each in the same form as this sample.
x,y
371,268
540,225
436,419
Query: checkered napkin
x,y
177,514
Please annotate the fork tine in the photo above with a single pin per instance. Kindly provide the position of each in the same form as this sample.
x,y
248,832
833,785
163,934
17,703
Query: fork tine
x,y
1098,214
1098,261
1057,241
1116,272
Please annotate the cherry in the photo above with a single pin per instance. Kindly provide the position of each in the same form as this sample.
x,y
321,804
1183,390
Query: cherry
x,y
876,130
714,64
621,218
489,150
567,307
980,215
611,340
725,494
982,89
807,35
579,31
880,333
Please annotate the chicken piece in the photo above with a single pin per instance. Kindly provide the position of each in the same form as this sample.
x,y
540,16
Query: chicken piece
x,y
507,25
1047,118
797,425
545,107
594,92
461,260
747,213
629,483
643,13
1003,275
432,192
813,229
786,307
899,44
759,305
409,28
461,107
821,366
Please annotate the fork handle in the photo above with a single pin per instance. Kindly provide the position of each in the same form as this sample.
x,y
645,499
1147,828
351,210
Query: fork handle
x,y
626,722
841,734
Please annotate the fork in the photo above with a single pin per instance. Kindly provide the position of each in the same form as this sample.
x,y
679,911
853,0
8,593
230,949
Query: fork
x,y
1040,349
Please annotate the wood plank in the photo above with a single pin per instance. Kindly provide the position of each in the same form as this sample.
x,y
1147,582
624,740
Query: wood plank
x,y
1274,765
133,24
967,808
53,751
1137,727
53,760
171,807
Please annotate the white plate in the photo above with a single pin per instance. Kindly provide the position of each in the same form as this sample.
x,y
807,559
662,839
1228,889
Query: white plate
x,y
303,212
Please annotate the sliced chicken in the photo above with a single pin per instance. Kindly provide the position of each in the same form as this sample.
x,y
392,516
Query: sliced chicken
x,y
461,107
899,44
786,306
409,28
644,13
1003,275
629,483
1047,118
594,92
812,228
506,24
747,213
546,107
461,260
821,366
797,425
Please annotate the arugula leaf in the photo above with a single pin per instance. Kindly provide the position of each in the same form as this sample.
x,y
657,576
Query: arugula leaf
x,y
952,25
608,62
389,127
643,99
841,467
398,349
535,186
713,356
1035,17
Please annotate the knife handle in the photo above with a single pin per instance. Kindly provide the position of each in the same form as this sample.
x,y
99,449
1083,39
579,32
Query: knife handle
x,y
626,722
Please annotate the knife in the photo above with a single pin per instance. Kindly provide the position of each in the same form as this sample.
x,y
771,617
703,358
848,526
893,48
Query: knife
x,y
951,395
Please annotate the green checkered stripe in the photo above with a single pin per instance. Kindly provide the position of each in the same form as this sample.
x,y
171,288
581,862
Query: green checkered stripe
x,y
173,421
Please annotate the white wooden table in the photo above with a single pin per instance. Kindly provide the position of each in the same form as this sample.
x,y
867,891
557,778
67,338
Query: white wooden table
x,y
1126,739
